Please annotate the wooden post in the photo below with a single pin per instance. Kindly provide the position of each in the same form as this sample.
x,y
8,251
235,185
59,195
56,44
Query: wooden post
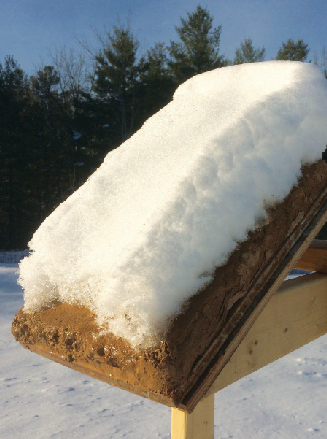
x,y
197,425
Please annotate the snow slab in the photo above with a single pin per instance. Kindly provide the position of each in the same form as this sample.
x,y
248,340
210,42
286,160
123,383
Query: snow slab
x,y
147,229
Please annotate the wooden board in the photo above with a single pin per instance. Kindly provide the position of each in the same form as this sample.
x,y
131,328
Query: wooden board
x,y
294,316
265,287
314,258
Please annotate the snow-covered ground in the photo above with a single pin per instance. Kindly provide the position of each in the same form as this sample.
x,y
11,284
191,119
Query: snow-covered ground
x,y
40,399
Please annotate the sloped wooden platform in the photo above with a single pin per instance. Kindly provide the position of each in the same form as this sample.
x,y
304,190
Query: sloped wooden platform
x,y
202,339
295,315
256,300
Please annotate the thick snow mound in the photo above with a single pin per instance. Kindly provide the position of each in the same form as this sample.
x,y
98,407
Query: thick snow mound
x,y
147,229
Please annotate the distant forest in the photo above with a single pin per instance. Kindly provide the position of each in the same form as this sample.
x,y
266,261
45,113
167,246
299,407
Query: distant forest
x,y
57,126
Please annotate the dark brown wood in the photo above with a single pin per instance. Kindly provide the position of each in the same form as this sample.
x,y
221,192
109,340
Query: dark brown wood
x,y
314,258
318,243
261,292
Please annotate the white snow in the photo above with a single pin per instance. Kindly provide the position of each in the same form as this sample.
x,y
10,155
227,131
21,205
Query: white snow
x,y
40,399
146,231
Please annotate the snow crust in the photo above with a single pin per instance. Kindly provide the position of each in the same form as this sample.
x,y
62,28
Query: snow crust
x,y
147,229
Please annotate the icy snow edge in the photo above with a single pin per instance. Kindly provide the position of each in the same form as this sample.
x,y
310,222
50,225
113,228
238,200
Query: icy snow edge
x,y
147,229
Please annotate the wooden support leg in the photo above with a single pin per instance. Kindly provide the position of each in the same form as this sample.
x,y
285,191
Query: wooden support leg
x,y
198,425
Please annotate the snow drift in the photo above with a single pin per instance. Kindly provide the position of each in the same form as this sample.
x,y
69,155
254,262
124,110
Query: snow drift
x,y
147,229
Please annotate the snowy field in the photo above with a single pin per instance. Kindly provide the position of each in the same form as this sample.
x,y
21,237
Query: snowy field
x,y
40,399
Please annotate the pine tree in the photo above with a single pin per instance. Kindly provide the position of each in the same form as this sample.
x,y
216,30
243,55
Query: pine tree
x,y
198,50
117,82
80,105
157,82
14,128
248,54
51,124
293,51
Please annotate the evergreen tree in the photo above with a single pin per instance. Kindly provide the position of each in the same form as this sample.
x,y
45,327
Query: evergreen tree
x,y
157,82
248,54
65,146
86,132
14,135
51,151
45,82
198,50
293,51
117,80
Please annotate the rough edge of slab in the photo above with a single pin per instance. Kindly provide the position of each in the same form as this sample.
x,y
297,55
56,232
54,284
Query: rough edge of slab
x,y
201,387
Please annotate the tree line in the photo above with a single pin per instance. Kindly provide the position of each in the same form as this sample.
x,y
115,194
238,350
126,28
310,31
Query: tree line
x,y
57,125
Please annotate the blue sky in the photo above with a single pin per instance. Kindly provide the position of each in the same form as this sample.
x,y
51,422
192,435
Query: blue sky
x,y
30,28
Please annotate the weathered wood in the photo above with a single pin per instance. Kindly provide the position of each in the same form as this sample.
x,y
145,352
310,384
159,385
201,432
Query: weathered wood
x,y
294,316
314,258
318,243
266,285
197,425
